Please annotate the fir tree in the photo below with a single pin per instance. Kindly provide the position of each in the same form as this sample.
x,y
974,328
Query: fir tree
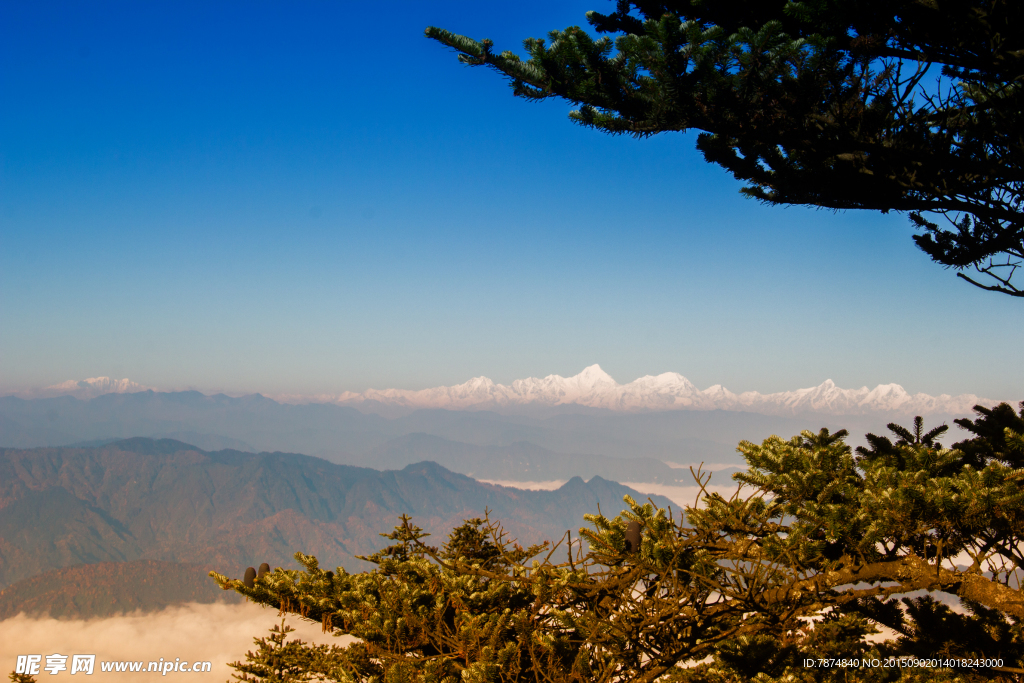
x,y
279,660
996,436
806,564
906,105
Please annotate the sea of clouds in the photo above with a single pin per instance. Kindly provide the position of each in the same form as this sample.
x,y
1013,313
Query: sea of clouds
x,y
219,633
680,495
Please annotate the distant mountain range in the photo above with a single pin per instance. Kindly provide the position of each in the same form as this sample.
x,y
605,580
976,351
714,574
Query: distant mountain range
x,y
594,388
557,442
344,434
93,387
169,502
114,496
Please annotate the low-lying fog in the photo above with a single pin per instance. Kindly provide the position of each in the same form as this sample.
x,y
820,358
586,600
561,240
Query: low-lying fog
x,y
681,495
218,633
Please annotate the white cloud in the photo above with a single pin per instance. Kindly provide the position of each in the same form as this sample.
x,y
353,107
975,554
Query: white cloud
x,y
218,633
681,495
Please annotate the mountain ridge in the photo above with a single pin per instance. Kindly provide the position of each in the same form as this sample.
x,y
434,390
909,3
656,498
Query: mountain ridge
x,y
348,434
594,388
164,500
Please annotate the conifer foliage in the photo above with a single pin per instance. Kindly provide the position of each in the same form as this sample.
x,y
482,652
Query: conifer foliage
x,y
906,105
279,660
822,546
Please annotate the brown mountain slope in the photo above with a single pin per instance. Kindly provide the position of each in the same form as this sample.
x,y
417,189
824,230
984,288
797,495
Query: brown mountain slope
x,y
165,500
108,588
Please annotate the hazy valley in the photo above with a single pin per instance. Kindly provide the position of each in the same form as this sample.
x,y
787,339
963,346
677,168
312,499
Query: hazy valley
x,y
163,500
157,488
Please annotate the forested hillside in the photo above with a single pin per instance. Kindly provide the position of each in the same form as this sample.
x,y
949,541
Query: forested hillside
x,y
166,500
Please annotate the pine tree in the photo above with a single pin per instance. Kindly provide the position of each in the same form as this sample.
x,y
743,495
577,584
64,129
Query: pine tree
x,y
279,660
906,105
804,564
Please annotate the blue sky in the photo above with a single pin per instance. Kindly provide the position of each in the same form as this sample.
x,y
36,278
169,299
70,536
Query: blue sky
x,y
313,197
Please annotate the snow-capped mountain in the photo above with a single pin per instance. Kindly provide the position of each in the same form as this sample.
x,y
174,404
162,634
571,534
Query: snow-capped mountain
x,y
597,389
669,391
95,386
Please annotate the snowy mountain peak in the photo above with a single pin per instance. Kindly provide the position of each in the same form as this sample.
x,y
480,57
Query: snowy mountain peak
x,y
593,387
96,386
479,383
593,376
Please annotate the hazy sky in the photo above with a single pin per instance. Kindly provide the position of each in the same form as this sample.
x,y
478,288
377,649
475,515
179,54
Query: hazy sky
x,y
313,197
